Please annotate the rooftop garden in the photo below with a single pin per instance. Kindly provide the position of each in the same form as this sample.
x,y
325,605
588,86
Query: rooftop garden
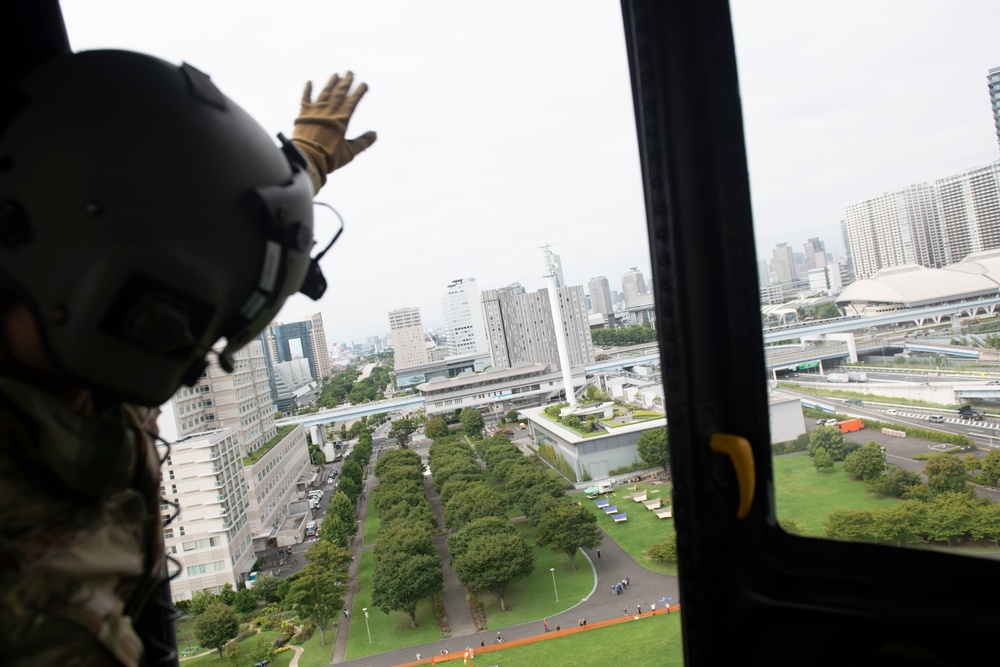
x,y
258,453
623,414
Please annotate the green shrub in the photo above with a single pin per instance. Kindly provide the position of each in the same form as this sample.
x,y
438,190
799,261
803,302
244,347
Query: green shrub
x,y
664,552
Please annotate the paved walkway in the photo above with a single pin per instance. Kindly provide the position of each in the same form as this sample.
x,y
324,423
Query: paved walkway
x,y
456,607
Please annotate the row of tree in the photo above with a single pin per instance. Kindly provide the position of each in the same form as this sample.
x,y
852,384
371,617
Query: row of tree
x,y
340,522
407,568
485,549
345,386
633,335
559,523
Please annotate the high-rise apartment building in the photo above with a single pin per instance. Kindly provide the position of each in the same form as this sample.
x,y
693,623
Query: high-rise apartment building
x,y
929,225
783,263
407,331
993,81
970,211
520,329
633,284
463,318
600,296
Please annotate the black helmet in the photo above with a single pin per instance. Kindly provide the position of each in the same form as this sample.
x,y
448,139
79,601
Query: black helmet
x,y
144,216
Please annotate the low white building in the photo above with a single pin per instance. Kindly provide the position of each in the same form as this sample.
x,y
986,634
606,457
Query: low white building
x,y
596,454
785,414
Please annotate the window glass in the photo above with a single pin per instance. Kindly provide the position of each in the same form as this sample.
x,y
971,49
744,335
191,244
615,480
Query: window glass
x,y
873,159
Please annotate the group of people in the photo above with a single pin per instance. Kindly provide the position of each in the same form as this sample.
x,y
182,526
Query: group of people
x,y
620,587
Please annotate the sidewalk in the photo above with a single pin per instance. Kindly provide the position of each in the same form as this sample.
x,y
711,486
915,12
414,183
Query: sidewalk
x,y
456,607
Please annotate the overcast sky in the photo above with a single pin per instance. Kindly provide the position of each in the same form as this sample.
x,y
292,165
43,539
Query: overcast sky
x,y
505,126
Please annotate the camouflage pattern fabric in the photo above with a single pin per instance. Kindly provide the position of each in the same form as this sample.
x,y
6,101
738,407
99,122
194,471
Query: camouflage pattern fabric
x,y
81,544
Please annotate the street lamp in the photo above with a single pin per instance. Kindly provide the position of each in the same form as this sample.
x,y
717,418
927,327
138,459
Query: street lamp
x,y
365,609
553,571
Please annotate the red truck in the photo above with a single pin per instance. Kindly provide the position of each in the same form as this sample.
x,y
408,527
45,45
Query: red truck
x,y
849,425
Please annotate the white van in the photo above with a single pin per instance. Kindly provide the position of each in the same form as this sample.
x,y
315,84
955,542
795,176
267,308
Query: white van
x,y
310,529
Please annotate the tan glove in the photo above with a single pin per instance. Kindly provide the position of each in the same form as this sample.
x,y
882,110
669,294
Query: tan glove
x,y
321,126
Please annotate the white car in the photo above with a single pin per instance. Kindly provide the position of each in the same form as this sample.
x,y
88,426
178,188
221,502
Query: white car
x,y
892,411
830,422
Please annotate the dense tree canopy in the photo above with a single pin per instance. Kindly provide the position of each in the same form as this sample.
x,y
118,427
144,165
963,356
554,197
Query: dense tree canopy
x,y
633,335
458,541
402,429
216,625
493,562
472,422
945,473
566,528
653,447
318,596
829,438
866,463
401,580
437,428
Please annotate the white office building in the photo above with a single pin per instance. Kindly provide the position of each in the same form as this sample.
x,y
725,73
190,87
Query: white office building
x,y
463,318
408,344
600,296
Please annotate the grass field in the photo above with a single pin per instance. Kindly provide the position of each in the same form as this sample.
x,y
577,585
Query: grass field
x,y
317,655
808,497
643,528
372,521
213,660
654,641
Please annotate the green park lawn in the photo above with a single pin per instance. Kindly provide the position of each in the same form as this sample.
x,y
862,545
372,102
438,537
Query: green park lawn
x,y
389,631
643,528
651,641
807,497
317,655
534,597
372,521
213,659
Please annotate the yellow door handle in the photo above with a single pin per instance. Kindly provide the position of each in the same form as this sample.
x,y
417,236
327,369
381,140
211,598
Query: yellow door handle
x,y
741,454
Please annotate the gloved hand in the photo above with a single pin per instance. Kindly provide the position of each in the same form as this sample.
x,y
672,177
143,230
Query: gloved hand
x,y
321,126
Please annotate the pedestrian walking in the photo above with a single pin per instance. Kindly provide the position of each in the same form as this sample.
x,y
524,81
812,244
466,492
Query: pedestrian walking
x,y
557,627
638,609
482,642
627,582
624,611
545,623
598,554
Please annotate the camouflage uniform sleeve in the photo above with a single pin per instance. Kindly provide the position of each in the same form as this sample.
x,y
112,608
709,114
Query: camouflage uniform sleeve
x,y
80,531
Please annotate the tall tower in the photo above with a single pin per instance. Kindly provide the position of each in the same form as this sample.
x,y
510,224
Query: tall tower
x,y
555,303
407,333
463,317
600,296
284,334
993,81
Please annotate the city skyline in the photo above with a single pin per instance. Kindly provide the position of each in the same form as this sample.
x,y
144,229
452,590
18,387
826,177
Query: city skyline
x,y
483,158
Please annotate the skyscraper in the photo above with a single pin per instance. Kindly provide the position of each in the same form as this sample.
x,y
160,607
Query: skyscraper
x,y
520,329
993,81
281,338
320,348
783,263
633,285
970,211
896,228
600,296
815,254
407,333
463,318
